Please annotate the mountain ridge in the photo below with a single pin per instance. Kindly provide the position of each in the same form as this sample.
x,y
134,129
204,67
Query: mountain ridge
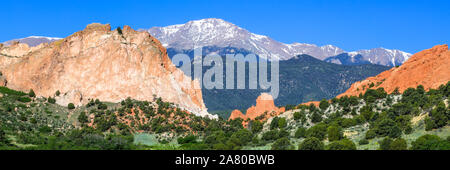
x,y
217,32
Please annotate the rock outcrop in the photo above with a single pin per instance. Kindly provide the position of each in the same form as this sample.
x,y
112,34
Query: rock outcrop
x,y
429,68
105,64
264,109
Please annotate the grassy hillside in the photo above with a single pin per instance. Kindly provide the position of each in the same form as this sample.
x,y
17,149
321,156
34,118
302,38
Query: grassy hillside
x,y
375,120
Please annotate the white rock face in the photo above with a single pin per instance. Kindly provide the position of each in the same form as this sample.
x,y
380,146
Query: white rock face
x,y
217,32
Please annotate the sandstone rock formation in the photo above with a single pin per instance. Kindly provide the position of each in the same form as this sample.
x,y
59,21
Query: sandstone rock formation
x,y
264,109
14,52
97,63
430,68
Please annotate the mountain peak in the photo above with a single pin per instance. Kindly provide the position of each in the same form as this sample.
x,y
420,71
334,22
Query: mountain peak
x,y
428,68
221,33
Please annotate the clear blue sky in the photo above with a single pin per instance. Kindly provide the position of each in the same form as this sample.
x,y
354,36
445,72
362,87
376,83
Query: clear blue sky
x,y
409,25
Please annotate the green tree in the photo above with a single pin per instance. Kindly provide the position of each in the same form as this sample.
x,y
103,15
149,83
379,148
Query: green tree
x,y
270,135
318,131
316,117
311,143
57,93
31,93
4,141
430,142
282,144
324,104
388,127
399,144
51,100
282,122
363,142
256,126
334,133
385,144
71,106
82,118
344,144
440,115
300,133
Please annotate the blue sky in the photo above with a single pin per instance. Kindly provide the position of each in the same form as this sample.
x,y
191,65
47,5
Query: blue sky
x,y
408,25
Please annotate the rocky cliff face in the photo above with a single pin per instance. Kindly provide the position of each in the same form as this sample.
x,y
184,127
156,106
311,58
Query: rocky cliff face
x,y
265,108
108,65
430,68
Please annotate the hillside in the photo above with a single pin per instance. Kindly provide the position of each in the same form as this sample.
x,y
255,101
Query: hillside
x,y
429,68
416,119
302,79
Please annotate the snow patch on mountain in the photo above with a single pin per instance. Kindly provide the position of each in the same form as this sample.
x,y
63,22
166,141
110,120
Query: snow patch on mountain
x,y
217,32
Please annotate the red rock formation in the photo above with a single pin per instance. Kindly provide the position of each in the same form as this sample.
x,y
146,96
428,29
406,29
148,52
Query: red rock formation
x,y
430,68
265,108
102,64
316,103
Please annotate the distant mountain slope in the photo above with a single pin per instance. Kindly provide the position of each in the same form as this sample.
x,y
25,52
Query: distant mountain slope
x,y
374,56
217,32
33,40
302,78
347,59
429,68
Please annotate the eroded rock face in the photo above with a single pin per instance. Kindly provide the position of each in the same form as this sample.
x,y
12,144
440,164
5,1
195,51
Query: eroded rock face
x,y
430,68
97,63
13,53
264,109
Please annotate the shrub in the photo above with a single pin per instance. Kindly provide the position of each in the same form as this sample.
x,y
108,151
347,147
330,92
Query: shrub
x,y
344,144
24,99
119,30
324,104
334,133
82,118
270,135
256,126
399,144
370,134
282,144
187,139
318,131
300,133
316,117
31,93
430,142
311,143
274,123
282,123
71,106
385,144
51,100
363,142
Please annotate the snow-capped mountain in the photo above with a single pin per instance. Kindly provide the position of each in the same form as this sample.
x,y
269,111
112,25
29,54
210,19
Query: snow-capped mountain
x,y
33,40
217,32
383,56
379,56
